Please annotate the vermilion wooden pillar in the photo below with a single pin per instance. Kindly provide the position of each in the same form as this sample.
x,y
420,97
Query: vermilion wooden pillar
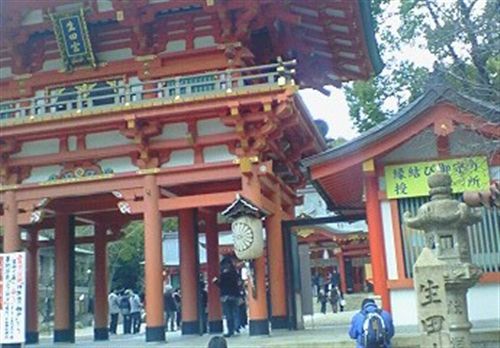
x,y
214,304
340,260
32,287
375,234
12,238
276,259
257,300
64,279
189,274
101,331
153,268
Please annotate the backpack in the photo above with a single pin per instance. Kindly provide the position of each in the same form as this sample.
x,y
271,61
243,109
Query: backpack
x,y
125,304
374,333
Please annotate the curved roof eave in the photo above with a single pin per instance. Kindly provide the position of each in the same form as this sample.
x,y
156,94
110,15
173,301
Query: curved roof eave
x,y
368,25
431,97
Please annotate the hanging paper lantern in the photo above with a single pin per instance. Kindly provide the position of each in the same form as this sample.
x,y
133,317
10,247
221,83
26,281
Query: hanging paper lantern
x,y
248,238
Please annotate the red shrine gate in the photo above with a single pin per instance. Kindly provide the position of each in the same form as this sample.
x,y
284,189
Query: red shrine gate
x,y
147,109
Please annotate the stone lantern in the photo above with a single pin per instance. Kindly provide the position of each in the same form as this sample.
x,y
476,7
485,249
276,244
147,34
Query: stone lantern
x,y
443,271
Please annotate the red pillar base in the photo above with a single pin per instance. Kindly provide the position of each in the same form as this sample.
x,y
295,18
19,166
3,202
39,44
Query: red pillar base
x,y
31,337
101,334
155,334
191,327
215,326
259,327
279,322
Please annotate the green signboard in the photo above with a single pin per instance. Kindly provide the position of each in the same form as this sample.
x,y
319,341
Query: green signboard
x,y
73,39
410,179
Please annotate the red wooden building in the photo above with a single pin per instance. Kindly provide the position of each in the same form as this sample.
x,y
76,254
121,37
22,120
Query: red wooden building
x,y
113,111
384,173
345,252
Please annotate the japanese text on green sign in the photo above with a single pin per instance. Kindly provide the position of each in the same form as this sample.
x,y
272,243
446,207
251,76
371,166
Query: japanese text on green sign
x,y
410,180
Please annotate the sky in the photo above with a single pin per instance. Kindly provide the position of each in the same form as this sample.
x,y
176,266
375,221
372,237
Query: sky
x,y
334,110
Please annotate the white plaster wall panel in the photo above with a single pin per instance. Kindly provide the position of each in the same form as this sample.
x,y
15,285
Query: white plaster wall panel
x,y
381,183
105,139
404,307
33,17
495,173
52,64
204,41
390,249
5,72
104,5
218,153
420,147
72,141
483,303
118,164
176,46
38,147
180,158
119,54
41,174
464,142
212,126
173,131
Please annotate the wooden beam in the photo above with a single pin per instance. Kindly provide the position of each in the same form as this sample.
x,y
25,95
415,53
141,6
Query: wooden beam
x,y
188,202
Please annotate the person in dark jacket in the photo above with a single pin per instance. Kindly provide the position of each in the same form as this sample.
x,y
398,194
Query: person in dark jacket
x,y
322,298
170,308
125,311
357,332
229,282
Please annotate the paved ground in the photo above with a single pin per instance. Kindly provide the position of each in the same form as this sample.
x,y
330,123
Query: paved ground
x,y
321,331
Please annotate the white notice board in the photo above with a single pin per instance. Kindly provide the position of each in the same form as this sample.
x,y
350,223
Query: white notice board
x,y
12,297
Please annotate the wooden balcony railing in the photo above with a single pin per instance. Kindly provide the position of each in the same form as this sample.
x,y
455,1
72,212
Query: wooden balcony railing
x,y
103,95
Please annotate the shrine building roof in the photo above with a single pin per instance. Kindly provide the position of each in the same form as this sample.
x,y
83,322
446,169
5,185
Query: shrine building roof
x,y
332,40
337,172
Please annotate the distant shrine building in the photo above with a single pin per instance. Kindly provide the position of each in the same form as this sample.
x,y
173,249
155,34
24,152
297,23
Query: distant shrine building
x,y
116,111
384,173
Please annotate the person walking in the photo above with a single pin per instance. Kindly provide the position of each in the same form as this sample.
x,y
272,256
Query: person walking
x,y
170,308
321,283
114,310
228,283
178,303
322,298
243,316
335,299
335,279
125,311
135,311
371,327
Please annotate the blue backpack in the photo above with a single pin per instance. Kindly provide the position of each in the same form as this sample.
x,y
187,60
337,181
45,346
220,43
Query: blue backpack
x,y
374,333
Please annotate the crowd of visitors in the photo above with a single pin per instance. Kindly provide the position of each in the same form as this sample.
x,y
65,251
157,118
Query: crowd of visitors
x,y
370,327
128,304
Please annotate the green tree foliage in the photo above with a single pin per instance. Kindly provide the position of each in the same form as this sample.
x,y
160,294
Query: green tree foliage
x,y
462,35
331,143
125,257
